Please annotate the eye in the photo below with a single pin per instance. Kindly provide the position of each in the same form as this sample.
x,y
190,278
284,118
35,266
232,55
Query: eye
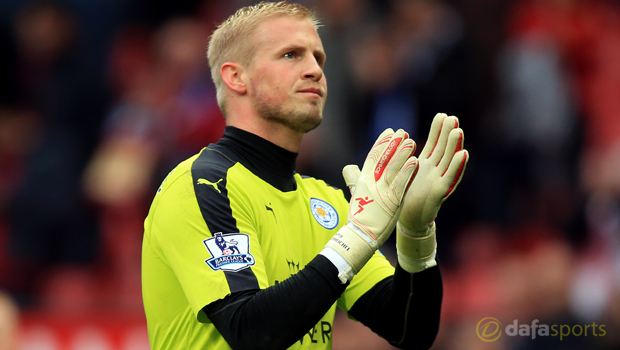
x,y
290,55
320,60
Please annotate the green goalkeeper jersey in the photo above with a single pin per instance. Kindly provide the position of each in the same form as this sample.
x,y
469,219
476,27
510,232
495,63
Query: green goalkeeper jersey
x,y
216,227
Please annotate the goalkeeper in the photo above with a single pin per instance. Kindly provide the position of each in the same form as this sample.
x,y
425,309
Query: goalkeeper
x,y
241,252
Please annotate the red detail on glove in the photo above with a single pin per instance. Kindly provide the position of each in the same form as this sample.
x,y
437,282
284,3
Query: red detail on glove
x,y
458,175
362,203
436,141
386,156
459,146
412,178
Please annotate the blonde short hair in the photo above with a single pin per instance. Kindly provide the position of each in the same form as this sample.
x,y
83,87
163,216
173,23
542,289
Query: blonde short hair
x,y
230,41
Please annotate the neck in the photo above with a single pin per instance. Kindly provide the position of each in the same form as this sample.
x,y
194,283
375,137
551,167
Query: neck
x,y
271,131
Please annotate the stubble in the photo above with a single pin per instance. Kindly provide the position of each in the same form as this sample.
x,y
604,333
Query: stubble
x,y
293,115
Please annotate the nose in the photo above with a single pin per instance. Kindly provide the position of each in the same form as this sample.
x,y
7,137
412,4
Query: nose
x,y
313,71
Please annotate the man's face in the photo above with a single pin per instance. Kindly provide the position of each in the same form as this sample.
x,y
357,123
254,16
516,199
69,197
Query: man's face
x,y
287,84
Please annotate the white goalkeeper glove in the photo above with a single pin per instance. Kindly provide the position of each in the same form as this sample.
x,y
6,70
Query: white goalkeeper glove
x,y
375,202
442,164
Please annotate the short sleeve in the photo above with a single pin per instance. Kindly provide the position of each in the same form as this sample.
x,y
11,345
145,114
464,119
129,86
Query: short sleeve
x,y
196,232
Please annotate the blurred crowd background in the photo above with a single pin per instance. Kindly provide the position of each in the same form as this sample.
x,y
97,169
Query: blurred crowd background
x,y
100,99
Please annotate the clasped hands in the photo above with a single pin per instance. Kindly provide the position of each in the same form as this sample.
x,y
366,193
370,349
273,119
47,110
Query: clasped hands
x,y
394,188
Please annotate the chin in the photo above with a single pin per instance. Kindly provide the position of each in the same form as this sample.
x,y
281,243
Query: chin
x,y
314,125
303,123
300,119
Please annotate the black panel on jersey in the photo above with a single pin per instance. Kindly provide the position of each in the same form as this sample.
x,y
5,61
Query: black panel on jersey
x,y
215,208
272,163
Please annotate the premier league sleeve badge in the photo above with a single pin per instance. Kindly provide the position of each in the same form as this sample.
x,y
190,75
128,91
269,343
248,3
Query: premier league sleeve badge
x,y
230,252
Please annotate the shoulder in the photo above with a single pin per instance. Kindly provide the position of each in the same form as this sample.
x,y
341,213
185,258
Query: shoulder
x,y
211,161
207,164
320,189
197,190
312,182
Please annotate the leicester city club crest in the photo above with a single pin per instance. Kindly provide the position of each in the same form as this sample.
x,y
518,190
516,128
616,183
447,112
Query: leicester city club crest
x,y
324,213
230,252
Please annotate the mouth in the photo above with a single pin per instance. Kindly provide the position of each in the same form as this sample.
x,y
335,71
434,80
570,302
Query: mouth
x,y
312,91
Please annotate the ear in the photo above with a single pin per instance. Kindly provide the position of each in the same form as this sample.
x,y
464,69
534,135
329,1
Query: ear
x,y
233,77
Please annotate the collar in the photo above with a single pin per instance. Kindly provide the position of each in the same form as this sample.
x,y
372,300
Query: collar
x,y
270,162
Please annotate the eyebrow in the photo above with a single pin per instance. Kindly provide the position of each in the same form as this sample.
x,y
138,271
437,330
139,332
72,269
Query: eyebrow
x,y
319,53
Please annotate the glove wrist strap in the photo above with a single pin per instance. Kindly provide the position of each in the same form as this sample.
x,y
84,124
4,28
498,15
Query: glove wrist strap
x,y
345,272
352,247
413,266
416,253
430,229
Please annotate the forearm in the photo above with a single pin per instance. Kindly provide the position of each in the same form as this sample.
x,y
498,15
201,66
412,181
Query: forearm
x,y
404,309
278,316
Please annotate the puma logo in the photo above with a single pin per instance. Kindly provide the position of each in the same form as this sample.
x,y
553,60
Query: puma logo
x,y
272,212
207,182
